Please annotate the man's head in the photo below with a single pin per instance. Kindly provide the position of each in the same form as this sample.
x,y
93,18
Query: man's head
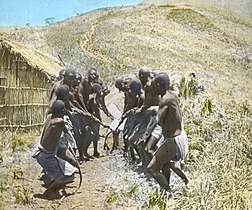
x,y
135,86
93,75
78,79
58,108
105,90
96,88
62,92
143,75
61,74
119,84
70,77
161,83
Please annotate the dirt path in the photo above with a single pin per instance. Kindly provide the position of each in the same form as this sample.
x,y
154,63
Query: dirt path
x,y
91,195
86,42
101,178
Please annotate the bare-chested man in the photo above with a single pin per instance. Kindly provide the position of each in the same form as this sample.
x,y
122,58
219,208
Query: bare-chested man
x,y
58,170
170,120
93,108
58,80
133,95
60,93
85,87
151,99
69,79
133,98
80,117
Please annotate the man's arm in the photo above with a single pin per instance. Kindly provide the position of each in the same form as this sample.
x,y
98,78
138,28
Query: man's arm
x,y
103,106
162,113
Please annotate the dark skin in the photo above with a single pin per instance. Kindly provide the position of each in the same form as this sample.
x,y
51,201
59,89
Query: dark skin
x,y
169,118
143,75
151,146
95,111
61,93
72,80
85,87
69,79
58,81
76,97
150,99
101,101
122,84
132,98
54,87
53,128
85,91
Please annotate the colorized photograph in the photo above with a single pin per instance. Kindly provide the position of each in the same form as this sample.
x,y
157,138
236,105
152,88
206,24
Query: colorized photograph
x,y
126,105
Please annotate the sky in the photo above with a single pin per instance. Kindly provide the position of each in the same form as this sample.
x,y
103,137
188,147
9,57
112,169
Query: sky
x,y
35,12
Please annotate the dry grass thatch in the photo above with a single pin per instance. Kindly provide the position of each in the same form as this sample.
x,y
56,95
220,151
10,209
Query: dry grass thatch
x,y
24,84
34,58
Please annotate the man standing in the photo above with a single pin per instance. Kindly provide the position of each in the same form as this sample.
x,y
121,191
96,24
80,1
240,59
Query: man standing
x,y
175,146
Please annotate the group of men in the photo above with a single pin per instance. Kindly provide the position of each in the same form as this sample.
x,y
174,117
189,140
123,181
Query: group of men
x,y
73,121
163,144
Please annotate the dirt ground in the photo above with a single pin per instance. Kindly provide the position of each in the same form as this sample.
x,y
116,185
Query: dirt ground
x,y
102,177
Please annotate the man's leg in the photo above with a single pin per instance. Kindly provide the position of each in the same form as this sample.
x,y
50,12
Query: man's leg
x,y
115,140
167,172
156,164
151,145
86,145
143,155
179,172
95,141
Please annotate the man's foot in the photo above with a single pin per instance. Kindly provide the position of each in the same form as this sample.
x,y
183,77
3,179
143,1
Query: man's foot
x,y
186,181
51,195
165,188
96,154
68,179
142,170
53,188
86,157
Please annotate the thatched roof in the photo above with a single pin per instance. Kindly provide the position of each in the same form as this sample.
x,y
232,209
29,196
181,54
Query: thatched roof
x,y
35,59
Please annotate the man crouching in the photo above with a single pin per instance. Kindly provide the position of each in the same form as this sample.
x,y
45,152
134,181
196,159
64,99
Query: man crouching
x,y
58,172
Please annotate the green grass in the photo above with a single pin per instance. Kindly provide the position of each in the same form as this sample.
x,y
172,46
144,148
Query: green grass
x,y
12,185
191,17
219,164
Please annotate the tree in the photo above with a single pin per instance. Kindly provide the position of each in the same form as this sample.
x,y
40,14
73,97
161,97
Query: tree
x,y
50,20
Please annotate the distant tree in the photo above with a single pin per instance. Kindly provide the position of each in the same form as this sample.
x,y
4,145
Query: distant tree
x,y
27,24
50,20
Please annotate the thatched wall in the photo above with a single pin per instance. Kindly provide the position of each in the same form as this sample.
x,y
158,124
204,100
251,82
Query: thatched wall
x,y
24,85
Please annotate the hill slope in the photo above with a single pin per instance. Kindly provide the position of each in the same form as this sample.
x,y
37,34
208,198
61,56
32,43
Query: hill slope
x,y
175,38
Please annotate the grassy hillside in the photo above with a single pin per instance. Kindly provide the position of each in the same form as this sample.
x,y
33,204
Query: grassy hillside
x,y
243,7
176,38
